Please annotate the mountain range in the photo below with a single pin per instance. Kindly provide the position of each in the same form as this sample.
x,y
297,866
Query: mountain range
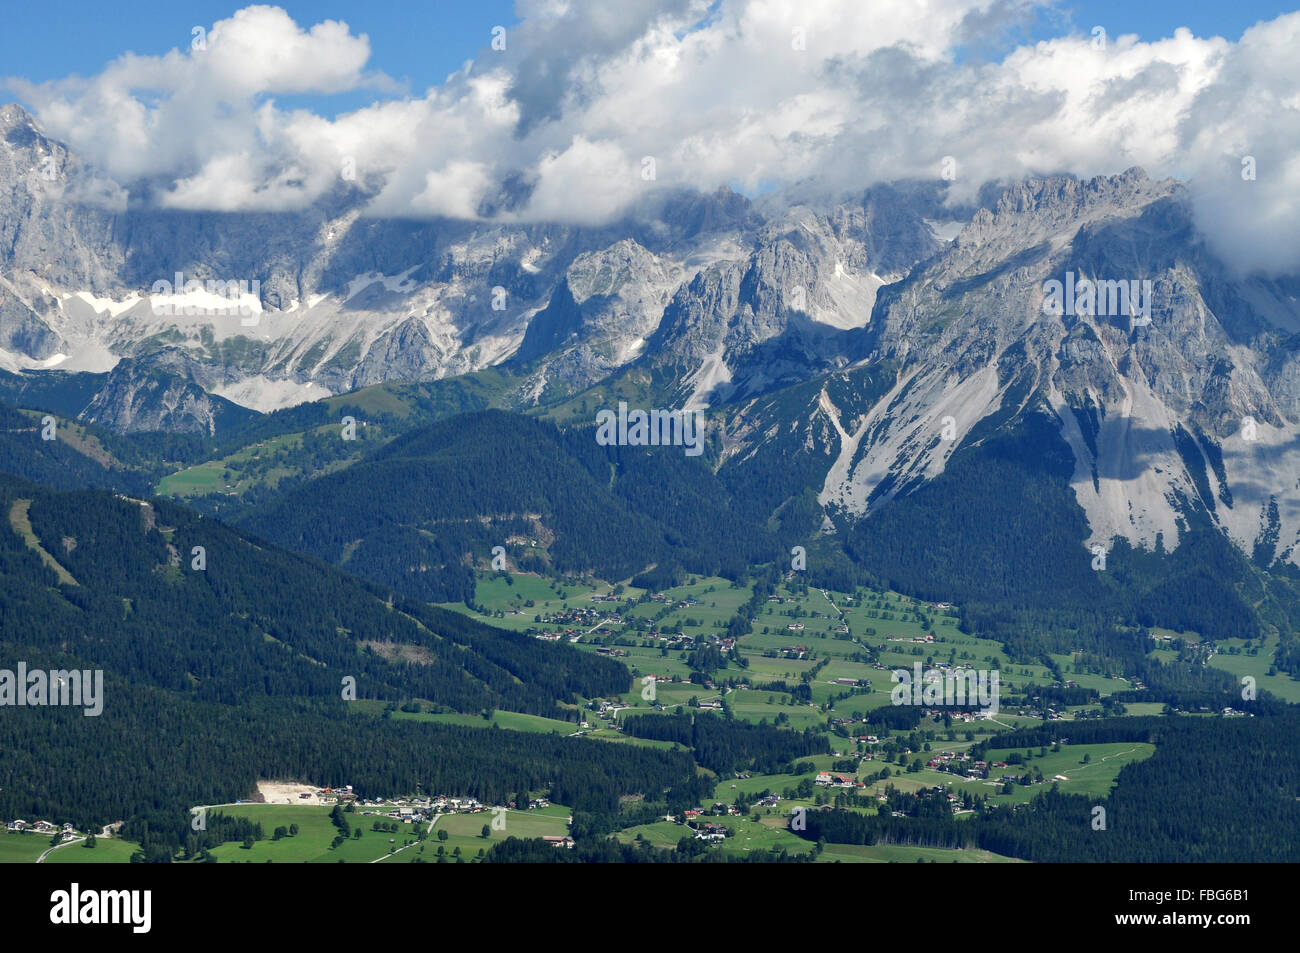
x,y
846,357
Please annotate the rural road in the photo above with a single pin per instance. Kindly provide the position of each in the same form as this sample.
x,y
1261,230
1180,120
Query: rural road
x,y
832,602
104,834
1101,760
412,844
66,843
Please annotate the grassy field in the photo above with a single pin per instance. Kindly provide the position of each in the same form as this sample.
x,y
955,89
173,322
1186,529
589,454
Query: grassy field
x,y
266,463
897,854
853,640
312,843
1094,779
662,834
22,525
1104,684
464,831
746,836
771,833
618,737
23,848
316,833
1281,685
515,721
111,851
754,706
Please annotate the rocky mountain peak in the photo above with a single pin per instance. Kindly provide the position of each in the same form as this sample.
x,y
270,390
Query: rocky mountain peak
x,y
13,116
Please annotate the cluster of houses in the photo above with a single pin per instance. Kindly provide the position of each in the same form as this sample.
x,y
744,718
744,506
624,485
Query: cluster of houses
x,y
671,640
580,621
707,830
581,617
826,779
607,710
408,810
343,794
20,826
418,809
407,815
680,640
962,764
840,721
678,604
965,717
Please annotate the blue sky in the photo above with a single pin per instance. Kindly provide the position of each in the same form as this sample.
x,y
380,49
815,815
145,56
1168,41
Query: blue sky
x,y
1152,19
413,42
419,43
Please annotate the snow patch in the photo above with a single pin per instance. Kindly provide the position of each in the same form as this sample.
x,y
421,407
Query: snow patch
x,y
105,305
400,283
207,304
944,230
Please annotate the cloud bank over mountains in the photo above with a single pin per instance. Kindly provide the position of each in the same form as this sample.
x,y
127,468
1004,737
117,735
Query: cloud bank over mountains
x,y
591,107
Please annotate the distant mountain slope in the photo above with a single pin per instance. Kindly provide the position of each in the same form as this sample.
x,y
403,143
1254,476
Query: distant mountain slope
x,y
254,621
63,392
158,393
1183,401
75,458
424,509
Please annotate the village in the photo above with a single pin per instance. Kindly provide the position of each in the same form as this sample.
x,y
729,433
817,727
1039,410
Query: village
x,y
409,809
580,621
45,828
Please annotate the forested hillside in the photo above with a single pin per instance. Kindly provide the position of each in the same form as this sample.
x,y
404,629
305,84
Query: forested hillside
x,y
239,620
422,509
1191,801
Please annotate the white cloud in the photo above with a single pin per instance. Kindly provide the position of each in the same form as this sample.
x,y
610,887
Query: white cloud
x,y
587,183
831,94
453,191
